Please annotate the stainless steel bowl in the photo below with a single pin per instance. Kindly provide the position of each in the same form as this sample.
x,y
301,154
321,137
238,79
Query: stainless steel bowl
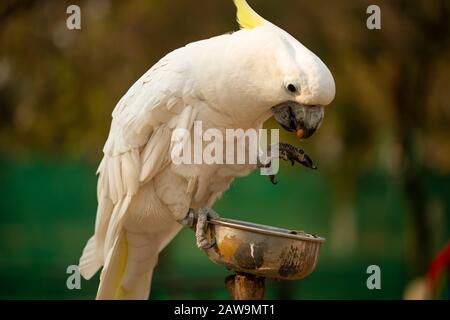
x,y
263,250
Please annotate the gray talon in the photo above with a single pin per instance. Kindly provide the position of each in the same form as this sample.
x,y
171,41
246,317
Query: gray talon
x,y
202,225
198,220
189,219
290,153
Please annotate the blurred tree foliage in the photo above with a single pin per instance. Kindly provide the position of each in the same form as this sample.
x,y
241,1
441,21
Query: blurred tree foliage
x,y
391,113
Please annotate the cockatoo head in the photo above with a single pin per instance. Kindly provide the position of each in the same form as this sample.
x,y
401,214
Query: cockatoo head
x,y
276,75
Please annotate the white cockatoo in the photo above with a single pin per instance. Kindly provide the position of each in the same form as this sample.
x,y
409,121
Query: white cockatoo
x,y
236,80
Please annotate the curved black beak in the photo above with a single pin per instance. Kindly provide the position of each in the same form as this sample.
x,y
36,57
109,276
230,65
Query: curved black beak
x,y
302,119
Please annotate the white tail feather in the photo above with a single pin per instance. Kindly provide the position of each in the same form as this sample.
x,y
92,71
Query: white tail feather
x,y
89,261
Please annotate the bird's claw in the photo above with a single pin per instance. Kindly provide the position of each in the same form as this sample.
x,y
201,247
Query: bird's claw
x,y
261,165
272,179
198,220
290,153
189,220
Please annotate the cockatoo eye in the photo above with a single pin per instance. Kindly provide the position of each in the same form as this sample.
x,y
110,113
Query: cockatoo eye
x,y
292,88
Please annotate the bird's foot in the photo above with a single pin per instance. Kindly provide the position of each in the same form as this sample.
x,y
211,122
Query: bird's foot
x,y
290,153
198,219
261,165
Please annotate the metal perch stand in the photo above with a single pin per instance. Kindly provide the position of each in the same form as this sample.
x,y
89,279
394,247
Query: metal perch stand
x,y
256,252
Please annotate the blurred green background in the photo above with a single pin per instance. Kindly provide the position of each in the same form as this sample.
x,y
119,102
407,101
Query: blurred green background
x,y
381,194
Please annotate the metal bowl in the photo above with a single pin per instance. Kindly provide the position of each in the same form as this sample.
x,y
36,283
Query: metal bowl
x,y
263,250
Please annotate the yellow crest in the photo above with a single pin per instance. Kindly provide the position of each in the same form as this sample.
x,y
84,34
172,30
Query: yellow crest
x,y
246,16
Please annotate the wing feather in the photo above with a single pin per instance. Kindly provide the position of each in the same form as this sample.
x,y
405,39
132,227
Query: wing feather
x,y
137,146
156,153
